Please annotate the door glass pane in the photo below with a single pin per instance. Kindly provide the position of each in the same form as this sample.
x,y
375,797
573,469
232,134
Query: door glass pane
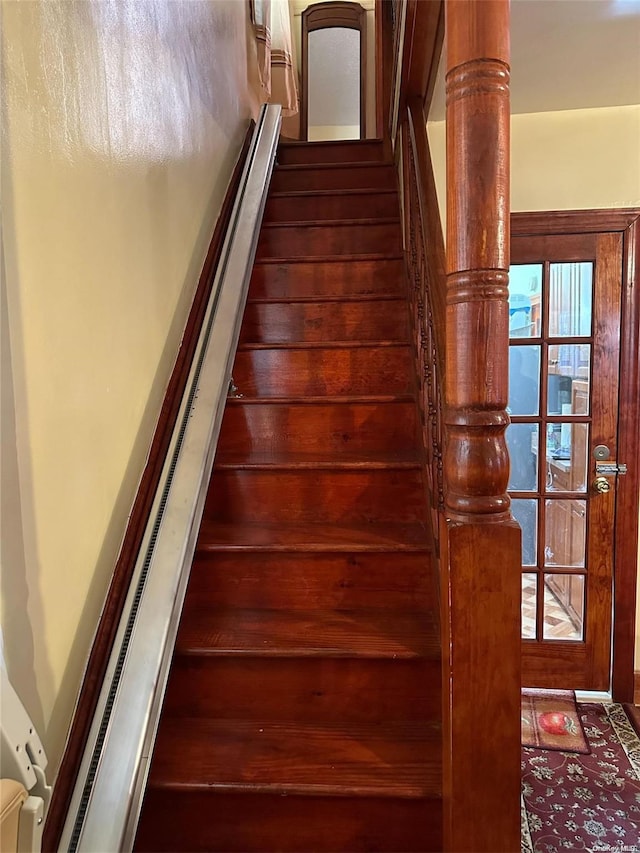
x,y
524,380
567,457
565,533
525,513
568,365
525,300
522,441
563,607
529,599
570,298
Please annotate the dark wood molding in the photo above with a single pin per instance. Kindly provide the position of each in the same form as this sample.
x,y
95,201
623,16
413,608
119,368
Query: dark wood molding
x,y
572,221
123,570
627,486
321,16
636,690
627,222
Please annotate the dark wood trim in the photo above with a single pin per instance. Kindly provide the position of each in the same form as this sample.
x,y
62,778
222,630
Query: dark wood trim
x,y
636,688
379,65
321,16
572,221
118,588
626,534
627,486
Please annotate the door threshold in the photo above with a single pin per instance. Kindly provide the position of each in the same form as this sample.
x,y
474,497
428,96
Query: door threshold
x,y
593,696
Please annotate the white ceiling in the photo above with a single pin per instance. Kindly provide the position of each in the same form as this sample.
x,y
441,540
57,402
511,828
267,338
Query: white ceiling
x,y
569,54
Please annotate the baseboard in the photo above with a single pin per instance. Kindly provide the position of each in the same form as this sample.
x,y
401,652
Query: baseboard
x,y
107,627
636,688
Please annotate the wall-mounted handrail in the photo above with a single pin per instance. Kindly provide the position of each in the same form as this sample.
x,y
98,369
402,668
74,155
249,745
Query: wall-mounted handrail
x,y
108,794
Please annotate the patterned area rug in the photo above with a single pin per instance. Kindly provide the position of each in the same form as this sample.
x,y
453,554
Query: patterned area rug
x,y
585,802
550,720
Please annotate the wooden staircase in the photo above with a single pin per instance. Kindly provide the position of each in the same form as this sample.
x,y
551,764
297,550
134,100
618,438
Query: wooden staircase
x,y
304,702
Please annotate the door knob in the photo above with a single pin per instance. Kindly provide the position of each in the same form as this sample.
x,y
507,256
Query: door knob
x,y
601,485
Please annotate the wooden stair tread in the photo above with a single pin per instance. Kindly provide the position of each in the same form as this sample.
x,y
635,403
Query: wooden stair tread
x,y
215,535
298,633
394,759
337,459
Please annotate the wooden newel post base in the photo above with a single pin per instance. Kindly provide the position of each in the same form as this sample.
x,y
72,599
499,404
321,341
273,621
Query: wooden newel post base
x,y
481,613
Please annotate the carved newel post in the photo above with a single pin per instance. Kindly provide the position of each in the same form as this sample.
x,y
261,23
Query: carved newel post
x,y
482,637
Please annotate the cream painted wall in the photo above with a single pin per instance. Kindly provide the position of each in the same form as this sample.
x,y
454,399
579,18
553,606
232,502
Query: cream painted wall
x,y
576,159
571,160
121,126
297,8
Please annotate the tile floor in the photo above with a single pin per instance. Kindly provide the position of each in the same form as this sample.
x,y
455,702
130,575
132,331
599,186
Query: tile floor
x,y
558,623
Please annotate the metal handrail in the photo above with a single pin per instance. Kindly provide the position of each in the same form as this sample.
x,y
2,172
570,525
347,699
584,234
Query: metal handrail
x,y
107,797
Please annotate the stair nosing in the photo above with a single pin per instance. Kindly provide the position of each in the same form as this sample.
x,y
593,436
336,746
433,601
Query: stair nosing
x,y
293,789
344,399
255,346
281,465
333,223
400,296
350,164
351,191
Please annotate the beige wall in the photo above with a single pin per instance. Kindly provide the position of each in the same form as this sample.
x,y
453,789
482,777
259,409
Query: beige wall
x,y
120,135
577,159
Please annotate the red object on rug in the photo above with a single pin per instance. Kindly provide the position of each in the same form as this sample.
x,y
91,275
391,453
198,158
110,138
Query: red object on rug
x,y
585,802
550,720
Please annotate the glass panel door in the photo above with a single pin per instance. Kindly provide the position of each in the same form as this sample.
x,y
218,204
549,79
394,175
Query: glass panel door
x,y
562,296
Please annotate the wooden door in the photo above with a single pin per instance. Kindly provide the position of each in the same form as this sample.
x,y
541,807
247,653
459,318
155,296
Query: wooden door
x,y
564,306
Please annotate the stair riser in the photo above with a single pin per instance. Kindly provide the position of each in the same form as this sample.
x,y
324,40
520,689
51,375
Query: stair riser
x,y
324,372
316,428
331,152
303,689
307,241
358,497
339,278
338,178
298,581
335,206
210,821
324,321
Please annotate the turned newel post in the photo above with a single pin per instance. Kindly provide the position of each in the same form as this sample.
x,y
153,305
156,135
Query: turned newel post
x,y
481,576
477,257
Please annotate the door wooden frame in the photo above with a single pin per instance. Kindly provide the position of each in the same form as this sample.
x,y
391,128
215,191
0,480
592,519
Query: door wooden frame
x,y
321,16
625,221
